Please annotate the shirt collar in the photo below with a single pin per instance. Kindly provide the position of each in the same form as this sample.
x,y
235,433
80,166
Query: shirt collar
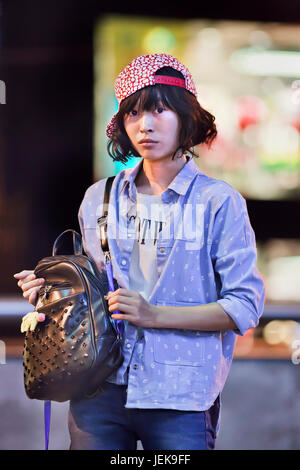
x,y
180,183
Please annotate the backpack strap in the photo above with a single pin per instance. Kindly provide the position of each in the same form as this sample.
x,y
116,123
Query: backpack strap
x,y
108,186
102,222
47,417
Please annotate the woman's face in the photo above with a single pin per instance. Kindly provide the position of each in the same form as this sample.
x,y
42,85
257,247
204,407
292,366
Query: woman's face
x,y
154,134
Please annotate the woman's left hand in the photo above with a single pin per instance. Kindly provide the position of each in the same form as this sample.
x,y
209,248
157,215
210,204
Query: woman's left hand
x,y
133,308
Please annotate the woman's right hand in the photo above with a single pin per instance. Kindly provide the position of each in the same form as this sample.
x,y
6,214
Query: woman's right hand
x,y
29,284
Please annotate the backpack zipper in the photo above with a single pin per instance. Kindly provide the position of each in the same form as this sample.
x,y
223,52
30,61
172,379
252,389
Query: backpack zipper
x,y
45,290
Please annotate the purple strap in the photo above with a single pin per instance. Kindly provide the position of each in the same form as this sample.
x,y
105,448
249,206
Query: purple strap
x,y
47,416
119,323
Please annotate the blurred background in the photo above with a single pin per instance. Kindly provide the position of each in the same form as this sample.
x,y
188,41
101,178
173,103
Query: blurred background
x,y
58,62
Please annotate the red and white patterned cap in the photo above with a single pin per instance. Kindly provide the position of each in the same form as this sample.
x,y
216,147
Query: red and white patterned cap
x,y
141,73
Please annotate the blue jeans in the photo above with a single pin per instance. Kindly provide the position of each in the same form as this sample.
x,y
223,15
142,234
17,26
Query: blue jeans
x,y
103,423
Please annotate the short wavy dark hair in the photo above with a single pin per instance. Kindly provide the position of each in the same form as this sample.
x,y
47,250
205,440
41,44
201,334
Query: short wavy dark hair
x,y
197,125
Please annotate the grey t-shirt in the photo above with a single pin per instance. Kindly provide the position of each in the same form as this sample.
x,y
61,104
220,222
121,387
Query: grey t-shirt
x,y
149,221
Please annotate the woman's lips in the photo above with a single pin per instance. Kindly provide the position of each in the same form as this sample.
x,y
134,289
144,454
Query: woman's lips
x,y
147,142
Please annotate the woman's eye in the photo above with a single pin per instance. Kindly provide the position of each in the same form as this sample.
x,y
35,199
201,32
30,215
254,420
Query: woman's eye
x,y
133,112
160,110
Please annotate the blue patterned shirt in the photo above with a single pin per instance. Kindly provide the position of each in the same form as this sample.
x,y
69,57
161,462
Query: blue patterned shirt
x,y
206,253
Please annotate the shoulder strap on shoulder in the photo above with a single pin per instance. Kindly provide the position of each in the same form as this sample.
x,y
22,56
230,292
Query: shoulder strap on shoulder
x,y
102,221
108,186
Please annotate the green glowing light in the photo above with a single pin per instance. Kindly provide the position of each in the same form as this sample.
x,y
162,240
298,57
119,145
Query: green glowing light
x,y
159,40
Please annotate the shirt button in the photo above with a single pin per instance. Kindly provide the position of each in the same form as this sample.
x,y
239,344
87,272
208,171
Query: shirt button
x,y
162,250
123,261
135,366
128,345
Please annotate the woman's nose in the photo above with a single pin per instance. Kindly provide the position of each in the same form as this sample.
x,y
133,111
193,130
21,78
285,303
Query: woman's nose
x,y
146,123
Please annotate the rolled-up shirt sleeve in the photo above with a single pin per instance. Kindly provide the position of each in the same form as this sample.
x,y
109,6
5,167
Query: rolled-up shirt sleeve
x,y
234,256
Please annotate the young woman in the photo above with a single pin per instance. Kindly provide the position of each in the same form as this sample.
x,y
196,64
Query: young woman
x,y
184,255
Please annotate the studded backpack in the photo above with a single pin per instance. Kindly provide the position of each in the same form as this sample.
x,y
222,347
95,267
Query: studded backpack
x,y
78,346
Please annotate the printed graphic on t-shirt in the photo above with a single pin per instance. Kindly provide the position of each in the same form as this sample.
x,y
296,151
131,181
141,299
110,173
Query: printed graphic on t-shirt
x,y
150,218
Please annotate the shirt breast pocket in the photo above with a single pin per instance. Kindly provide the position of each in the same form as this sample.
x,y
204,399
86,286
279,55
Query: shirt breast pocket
x,y
190,230
179,347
